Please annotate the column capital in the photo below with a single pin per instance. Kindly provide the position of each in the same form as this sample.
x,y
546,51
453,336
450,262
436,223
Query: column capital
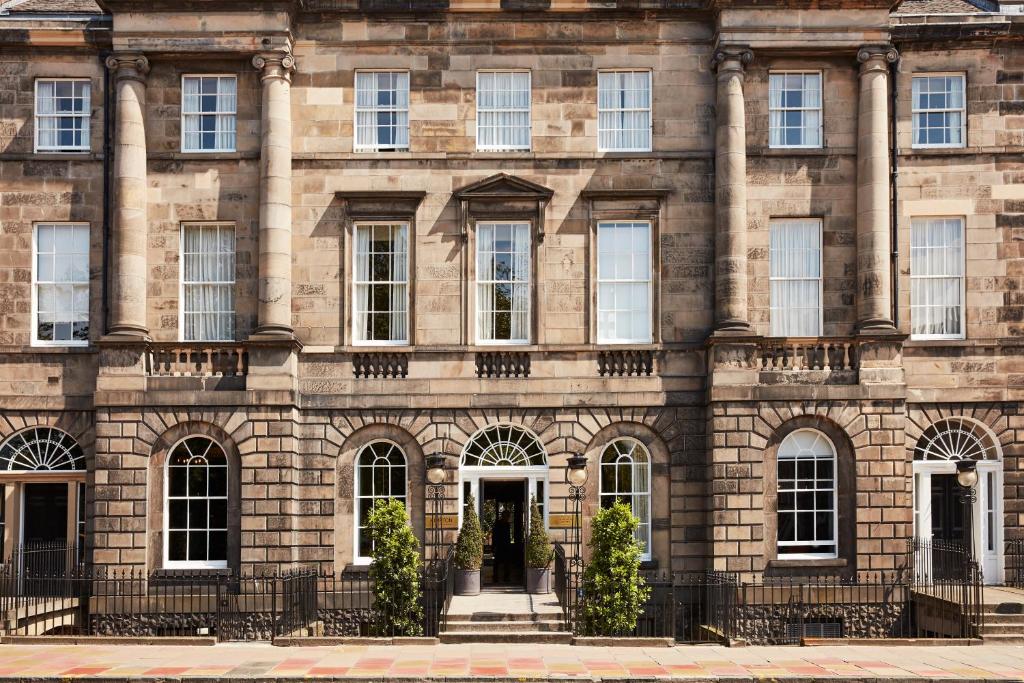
x,y
129,65
876,57
731,58
274,65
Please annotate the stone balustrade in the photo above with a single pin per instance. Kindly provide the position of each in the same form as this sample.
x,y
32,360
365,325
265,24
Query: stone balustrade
x,y
797,355
197,359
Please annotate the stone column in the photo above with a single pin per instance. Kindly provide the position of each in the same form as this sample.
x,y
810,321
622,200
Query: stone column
x,y
128,303
874,277
275,237
731,193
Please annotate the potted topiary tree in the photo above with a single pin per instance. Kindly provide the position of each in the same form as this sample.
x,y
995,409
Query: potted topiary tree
x,y
469,552
614,593
538,553
395,571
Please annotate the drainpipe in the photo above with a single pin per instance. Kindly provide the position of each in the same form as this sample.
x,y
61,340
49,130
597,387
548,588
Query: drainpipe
x,y
109,114
894,165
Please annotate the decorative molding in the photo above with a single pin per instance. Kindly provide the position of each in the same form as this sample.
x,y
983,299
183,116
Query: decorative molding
x,y
877,57
274,65
380,364
502,364
131,66
730,58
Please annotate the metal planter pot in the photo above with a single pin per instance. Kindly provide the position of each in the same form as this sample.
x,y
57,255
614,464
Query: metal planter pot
x,y
467,582
538,581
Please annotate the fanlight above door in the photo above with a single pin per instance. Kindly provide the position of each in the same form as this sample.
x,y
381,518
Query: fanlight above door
x,y
956,438
41,449
504,446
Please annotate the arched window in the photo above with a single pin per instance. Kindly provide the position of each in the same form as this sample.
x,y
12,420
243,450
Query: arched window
x,y
956,438
197,504
380,475
626,477
504,446
807,515
41,449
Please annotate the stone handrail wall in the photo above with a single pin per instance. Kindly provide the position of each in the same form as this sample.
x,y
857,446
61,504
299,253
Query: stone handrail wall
x,y
197,359
795,355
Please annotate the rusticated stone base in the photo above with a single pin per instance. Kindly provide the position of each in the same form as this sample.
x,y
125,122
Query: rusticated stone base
x,y
778,624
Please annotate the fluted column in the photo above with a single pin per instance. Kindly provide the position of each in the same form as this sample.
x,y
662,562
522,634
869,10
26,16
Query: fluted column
x,y
275,237
731,192
874,276
128,304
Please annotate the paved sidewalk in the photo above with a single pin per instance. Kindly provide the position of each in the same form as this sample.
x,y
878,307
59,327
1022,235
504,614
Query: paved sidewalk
x,y
511,662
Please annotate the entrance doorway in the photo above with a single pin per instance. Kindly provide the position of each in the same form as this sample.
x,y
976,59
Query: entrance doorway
x,y
506,517
45,528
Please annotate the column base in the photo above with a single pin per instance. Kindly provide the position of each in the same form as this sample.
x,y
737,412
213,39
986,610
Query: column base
x,y
875,326
127,334
274,336
733,328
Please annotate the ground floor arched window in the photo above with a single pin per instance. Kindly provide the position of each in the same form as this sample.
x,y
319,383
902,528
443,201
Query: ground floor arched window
x,y
380,475
197,504
626,476
807,511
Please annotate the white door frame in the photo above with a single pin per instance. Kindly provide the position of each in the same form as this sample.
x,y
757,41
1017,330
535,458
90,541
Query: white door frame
x,y
533,475
992,563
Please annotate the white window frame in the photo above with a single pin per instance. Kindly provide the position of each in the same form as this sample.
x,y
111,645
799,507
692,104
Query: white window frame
x,y
820,278
233,113
649,110
357,498
820,108
963,278
601,337
529,113
36,341
182,283
376,146
601,494
85,115
356,341
196,564
915,111
779,544
478,282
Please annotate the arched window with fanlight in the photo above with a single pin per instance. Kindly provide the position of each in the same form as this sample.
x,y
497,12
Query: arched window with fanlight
x,y
807,514
197,505
41,449
626,477
380,475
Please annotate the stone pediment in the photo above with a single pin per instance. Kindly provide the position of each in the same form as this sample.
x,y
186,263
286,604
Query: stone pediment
x,y
503,187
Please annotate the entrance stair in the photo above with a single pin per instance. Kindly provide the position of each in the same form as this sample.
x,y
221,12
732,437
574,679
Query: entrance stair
x,y
505,616
1003,610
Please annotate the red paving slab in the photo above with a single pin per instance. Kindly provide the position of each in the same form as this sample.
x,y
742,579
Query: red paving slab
x,y
497,662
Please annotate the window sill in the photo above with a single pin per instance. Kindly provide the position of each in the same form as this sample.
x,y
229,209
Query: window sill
x,y
205,156
51,156
50,350
819,563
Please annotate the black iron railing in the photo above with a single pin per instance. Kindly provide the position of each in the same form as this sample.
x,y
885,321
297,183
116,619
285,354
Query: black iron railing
x,y
567,581
438,587
1014,563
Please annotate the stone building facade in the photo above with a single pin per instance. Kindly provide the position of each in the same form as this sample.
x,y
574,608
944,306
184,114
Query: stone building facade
x,y
288,129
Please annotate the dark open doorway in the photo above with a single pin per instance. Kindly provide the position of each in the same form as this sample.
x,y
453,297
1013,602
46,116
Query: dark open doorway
x,y
45,528
947,509
504,511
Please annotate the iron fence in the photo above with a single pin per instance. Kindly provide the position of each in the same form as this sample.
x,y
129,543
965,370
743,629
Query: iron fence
x,y
296,602
1014,563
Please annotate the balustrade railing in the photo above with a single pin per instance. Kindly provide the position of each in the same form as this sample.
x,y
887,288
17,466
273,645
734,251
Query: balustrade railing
x,y
197,359
794,355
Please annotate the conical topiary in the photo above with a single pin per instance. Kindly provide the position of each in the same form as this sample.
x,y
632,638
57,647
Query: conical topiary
x,y
469,549
538,546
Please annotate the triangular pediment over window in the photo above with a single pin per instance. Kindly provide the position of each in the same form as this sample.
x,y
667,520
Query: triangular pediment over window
x,y
503,187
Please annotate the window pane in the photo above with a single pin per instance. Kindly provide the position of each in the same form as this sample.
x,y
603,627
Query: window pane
x,y
197,502
62,283
938,110
624,282
794,110
624,110
208,113
380,475
795,278
806,501
936,277
382,111
503,272
380,283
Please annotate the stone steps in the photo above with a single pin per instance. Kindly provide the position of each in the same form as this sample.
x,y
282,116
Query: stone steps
x,y
556,637
540,626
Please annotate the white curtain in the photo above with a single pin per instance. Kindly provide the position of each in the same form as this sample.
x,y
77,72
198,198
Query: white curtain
x,y
794,106
209,283
795,266
521,280
503,110
936,270
382,110
485,277
208,113
624,282
62,114
363,326
624,110
399,284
